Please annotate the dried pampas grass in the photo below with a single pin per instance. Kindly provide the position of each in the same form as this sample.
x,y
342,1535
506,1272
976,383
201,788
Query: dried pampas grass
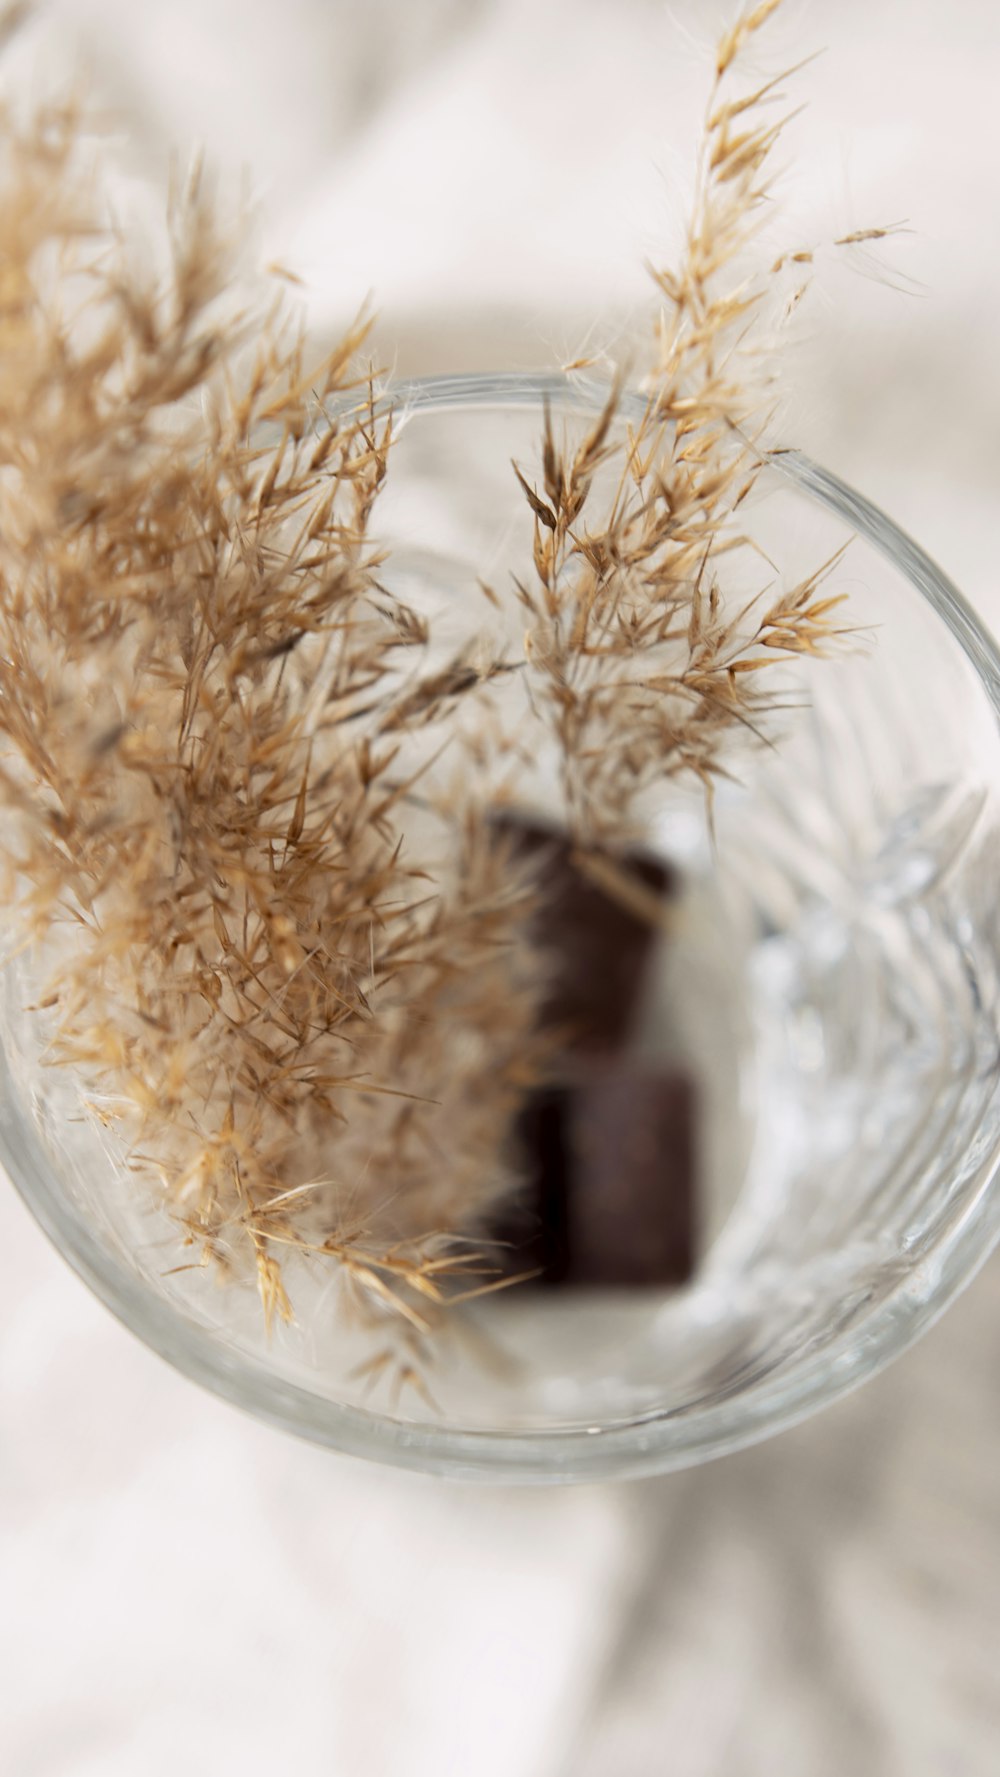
x,y
286,1009
302,993
644,665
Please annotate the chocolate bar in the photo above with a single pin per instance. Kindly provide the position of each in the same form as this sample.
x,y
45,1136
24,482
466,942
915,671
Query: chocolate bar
x,y
609,1198
608,1146
596,946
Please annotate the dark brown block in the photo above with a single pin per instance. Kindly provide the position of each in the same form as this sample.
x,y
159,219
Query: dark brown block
x,y
608,1147
596,948
610,1197
631,1149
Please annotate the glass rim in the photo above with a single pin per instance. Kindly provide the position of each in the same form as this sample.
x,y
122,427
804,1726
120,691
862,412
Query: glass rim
x,y
655,1442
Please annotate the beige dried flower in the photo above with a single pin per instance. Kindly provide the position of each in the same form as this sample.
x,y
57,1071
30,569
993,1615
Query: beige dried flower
x,y
301,993
645,668
284,1007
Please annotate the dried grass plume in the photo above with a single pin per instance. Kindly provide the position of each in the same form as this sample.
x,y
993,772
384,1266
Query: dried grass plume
x,y
304,998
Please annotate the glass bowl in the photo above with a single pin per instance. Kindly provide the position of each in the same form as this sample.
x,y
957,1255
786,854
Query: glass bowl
x,y
831,978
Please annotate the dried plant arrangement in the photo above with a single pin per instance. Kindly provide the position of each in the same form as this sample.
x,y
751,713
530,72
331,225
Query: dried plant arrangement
x,y
246,943
299,984
633,639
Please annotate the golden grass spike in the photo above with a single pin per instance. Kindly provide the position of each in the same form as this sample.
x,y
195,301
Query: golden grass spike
x,y
280,938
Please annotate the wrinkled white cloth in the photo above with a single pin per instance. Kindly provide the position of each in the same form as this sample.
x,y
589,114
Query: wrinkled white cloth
x,y
183,1590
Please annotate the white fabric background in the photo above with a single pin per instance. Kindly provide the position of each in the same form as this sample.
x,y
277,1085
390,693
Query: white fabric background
x,y
182,1590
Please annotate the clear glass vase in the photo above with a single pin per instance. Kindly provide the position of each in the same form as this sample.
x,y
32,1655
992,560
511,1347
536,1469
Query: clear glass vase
x,y
831,980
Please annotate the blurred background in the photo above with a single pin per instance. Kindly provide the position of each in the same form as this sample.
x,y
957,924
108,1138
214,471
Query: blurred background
x,y
181,1589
